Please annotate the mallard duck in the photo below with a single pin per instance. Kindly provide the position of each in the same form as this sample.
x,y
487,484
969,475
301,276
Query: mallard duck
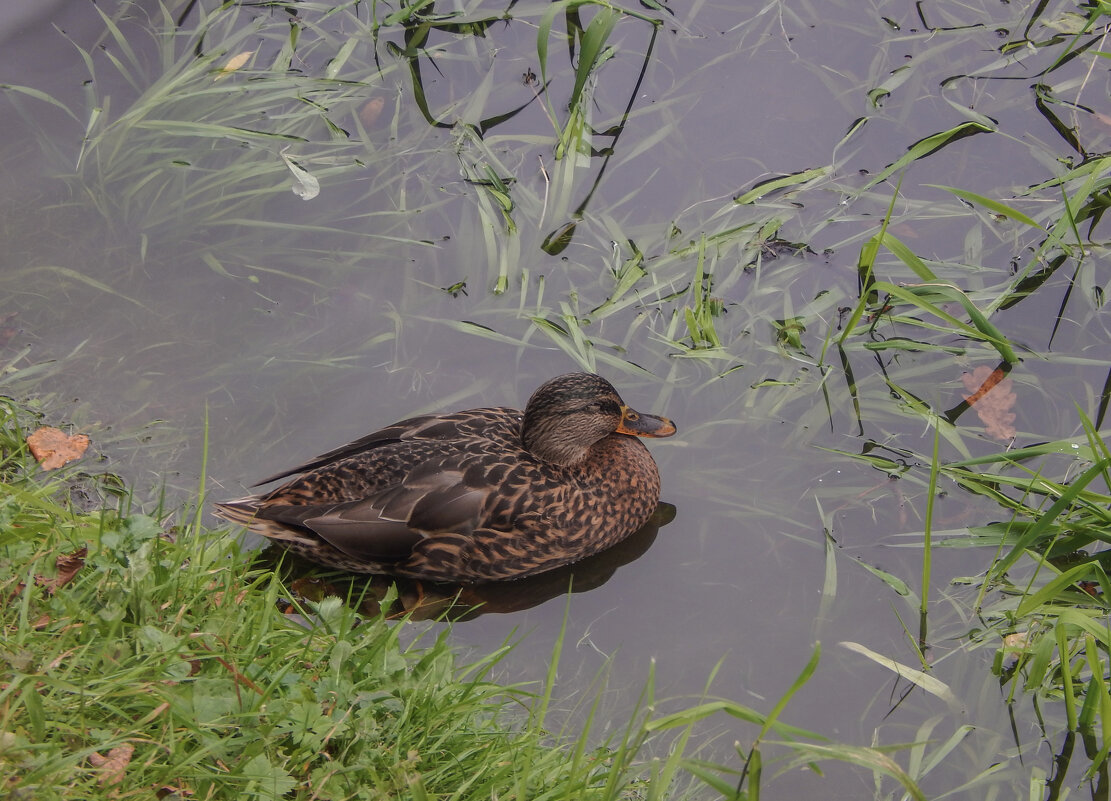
x,y
478,495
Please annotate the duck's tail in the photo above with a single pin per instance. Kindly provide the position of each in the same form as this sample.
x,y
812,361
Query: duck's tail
x,y
241,511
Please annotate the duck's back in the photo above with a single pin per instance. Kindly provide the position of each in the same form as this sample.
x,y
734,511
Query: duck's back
x,y
391,455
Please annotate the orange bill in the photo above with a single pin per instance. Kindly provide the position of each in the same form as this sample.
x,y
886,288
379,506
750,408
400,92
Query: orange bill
x,y
644,425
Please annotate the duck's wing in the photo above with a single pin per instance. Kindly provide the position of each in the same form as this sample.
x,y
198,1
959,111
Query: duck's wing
x,y
441,499
444,427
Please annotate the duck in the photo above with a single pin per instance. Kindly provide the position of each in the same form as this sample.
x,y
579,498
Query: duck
x,y
480,495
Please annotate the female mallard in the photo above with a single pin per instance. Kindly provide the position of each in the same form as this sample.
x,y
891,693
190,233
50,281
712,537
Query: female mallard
x,y
479,495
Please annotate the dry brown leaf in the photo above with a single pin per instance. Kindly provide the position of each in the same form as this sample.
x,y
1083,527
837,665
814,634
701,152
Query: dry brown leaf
x,y
993,399
53,447
113,766
17,590
168,791
8,328
69,565
59,659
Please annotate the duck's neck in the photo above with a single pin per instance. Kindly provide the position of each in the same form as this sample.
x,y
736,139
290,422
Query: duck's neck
x,y
550,443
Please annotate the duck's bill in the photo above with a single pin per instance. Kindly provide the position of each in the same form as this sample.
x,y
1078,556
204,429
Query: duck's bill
x,y
637,424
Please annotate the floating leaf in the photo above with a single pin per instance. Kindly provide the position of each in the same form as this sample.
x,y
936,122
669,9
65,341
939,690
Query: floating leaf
x,y
993,399
234,63
53,448
371,111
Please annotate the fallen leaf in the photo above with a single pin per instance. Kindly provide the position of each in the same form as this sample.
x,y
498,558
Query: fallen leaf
x,y
993,399
168,791
69,566
59,659
8,328
112,767
53,448
234,63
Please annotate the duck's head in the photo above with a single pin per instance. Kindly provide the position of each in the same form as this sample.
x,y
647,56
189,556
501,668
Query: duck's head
x,y
569,413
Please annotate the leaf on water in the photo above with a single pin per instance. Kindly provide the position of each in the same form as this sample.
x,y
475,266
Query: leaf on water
x,y
8,328
113,766
306,186
1017,642
234,63
69,565
993,399
370,112
53,448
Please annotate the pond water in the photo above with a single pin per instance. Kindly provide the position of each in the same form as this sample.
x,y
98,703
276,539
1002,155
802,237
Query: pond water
x,y
160,280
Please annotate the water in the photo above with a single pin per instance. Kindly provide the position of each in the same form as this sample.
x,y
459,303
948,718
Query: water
x,y
295,325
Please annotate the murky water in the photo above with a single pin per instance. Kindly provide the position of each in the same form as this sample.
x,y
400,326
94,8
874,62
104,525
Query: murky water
x,y
153,299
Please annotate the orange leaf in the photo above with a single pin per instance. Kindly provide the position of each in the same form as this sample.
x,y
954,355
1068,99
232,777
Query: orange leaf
x,y
234,63
54,448
993,399
8,328
370,112
112,767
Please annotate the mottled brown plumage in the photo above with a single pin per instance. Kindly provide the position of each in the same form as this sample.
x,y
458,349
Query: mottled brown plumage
x,y
479,495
